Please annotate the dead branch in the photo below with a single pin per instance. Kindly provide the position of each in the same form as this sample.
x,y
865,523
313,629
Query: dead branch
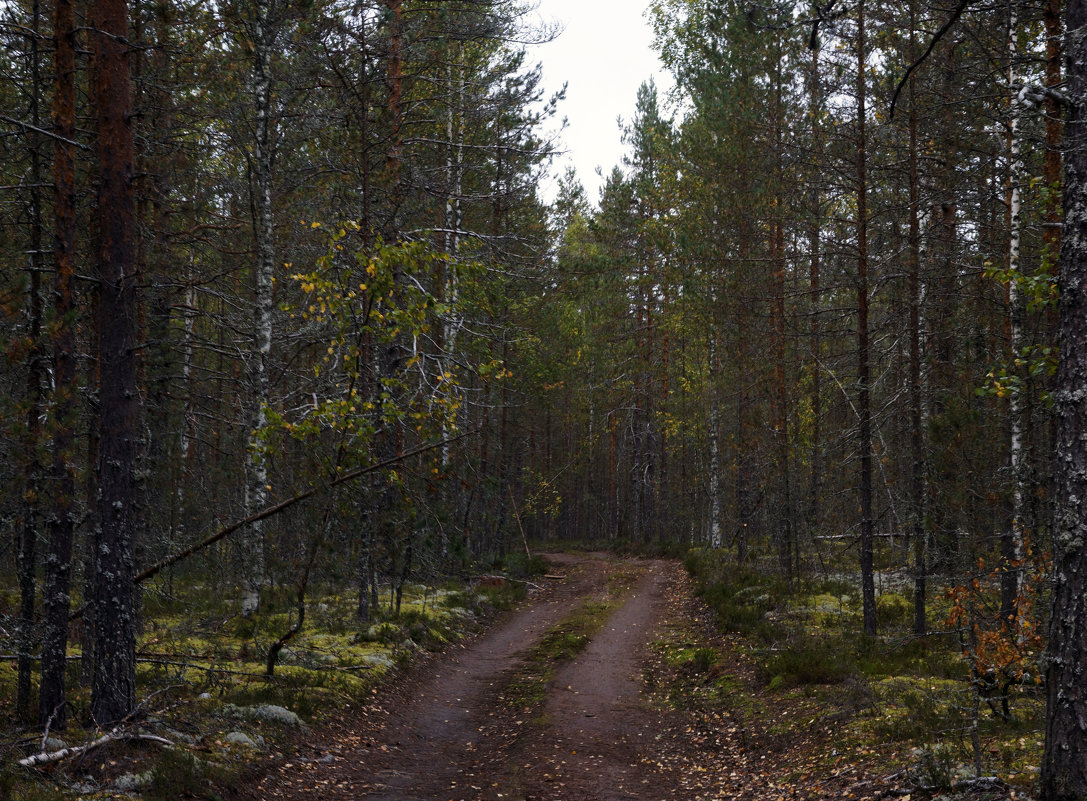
x,y
271,511
48,757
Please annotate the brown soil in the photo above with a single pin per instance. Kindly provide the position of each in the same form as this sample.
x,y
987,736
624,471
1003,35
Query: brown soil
x,y
447,733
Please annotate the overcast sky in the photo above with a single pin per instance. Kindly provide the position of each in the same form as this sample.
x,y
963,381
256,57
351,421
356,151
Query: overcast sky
x,y
604,53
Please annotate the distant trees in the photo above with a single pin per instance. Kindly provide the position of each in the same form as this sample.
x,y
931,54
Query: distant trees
x,y
831,352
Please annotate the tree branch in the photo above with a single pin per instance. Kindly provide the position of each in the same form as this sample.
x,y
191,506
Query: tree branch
x,y
271,511
961,7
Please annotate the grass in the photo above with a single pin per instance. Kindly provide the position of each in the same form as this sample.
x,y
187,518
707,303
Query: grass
x,y
565,641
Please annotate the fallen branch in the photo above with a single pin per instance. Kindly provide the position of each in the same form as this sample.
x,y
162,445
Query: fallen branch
x,y
48,757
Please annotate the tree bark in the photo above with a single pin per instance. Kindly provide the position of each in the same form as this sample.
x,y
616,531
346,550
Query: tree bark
x,y
918,534
1011,578
113,687
716,540
61,523
864,411
28,535
1064,762
256,467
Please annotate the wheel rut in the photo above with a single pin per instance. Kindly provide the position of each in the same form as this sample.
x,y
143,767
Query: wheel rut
x,y
449,734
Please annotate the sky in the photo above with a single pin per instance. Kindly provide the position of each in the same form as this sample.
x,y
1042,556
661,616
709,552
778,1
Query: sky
x,y
604,53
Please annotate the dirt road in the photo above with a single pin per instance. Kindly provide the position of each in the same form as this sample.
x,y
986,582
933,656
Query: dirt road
x,y
452,735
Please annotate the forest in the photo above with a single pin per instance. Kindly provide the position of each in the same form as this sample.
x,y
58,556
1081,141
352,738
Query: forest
x,y
288,320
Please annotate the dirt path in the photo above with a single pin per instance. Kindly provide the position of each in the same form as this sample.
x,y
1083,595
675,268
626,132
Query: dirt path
x,y
599,735
451,736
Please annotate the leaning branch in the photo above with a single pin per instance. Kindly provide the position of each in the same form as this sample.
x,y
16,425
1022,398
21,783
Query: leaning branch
x,y
271,511
961,7
43,132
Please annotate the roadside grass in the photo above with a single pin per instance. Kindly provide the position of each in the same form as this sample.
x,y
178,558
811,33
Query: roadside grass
x,y
197,659
911,697
564,641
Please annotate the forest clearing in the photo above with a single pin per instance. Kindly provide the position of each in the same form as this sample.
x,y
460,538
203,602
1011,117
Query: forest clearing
x,y
307,354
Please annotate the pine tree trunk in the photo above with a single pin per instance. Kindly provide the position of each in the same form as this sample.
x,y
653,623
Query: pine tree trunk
x,y
918,534
864,411
815,485
28,546
113,688
1064,762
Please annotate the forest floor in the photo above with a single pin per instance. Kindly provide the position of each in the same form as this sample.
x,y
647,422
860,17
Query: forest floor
x,y
598,687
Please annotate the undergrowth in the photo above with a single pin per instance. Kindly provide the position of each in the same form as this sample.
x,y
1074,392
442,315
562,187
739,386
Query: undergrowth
x,y
197,657
912,693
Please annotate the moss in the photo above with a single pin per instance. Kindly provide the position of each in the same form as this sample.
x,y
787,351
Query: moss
x,y
893,609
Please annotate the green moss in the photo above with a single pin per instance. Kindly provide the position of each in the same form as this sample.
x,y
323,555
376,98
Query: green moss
x,y
893,609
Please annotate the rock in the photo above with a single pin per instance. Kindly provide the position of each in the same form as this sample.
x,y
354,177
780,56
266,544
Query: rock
x,y
53,744
378,660
327,759
180,737
270,713
241,738
266,713
131,782
204,696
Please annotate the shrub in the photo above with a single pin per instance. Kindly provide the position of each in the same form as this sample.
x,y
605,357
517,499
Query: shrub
x,y
893,610
812,661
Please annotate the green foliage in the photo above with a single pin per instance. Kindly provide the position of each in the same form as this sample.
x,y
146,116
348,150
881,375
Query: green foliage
x,y
811,660
742,597
893,609
180,774
520,565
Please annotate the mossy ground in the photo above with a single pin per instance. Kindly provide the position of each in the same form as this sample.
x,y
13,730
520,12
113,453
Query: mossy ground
x,y
197,655
794,662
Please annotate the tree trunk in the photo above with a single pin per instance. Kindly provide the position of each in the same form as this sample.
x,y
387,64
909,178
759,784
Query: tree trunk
x,y
1011,578
918,534
1064,762
256,467
27,553
716,540
815,486
864,411
61,522
113,688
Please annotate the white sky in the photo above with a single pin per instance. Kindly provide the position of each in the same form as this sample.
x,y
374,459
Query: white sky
x,y
604,54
